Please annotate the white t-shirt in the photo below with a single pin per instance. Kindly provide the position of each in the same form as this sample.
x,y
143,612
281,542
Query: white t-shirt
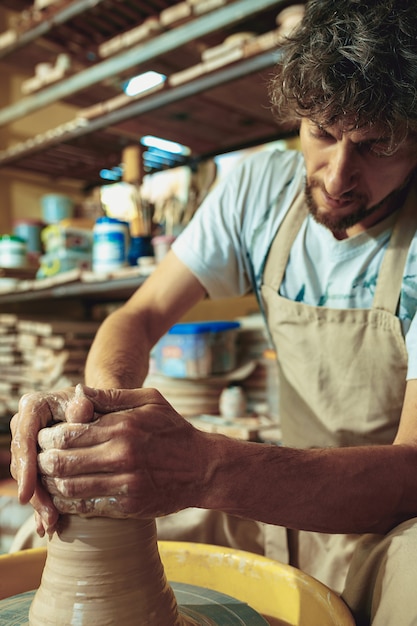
x,y
227,242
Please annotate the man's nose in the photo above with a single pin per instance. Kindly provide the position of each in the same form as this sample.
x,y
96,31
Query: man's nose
x,y
342,171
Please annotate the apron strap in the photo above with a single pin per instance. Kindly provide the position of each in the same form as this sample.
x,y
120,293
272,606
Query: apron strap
x,y
279,251
388,288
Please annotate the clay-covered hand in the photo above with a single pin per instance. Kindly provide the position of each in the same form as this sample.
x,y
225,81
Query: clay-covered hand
x,y
37,410
139,458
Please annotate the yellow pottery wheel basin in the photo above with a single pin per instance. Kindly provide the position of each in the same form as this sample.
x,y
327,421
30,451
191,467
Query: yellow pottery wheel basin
x,y
284,595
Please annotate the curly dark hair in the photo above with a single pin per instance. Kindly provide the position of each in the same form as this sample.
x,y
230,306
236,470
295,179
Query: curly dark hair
x,y
352,61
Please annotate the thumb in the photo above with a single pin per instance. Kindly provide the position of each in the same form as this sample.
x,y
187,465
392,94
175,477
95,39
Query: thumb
x,y
80,409
109,400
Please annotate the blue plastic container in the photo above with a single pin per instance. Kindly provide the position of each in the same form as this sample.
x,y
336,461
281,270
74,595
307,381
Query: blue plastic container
x,y
197,349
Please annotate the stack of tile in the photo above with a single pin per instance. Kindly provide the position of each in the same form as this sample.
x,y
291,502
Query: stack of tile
x,y
39,356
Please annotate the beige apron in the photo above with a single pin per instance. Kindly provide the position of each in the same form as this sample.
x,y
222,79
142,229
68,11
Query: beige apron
x,y
343,375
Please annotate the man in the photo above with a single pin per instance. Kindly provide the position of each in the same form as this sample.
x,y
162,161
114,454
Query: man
x,y
327,239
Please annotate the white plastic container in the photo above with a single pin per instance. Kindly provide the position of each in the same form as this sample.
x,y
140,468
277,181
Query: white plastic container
x,y
161,245
110,244
13,251
232,402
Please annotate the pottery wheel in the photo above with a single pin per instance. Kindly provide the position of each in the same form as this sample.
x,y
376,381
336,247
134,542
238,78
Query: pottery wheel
x,y
204,606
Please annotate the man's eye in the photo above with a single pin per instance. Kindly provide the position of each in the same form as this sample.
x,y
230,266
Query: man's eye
x,y
379,150
320,133
380,153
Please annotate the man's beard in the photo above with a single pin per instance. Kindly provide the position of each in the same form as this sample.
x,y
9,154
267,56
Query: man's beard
x,y
339,224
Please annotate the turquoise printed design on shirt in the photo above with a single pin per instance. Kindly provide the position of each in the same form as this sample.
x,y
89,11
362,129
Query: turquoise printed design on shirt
x,y
408,296
329,298
300,295
365,283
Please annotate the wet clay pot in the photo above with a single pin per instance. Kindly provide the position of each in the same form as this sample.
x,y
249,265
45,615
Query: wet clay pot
x,y
103,572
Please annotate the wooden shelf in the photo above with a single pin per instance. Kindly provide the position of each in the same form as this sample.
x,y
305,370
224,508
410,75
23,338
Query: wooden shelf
x,y
223,107
80,127
114,288
54,17
161,44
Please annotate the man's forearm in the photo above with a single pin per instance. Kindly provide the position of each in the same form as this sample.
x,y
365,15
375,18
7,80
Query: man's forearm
x,y
119,355
345,490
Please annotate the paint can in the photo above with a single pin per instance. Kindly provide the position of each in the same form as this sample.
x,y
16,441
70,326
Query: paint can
x,y
13,252
110,244
30,231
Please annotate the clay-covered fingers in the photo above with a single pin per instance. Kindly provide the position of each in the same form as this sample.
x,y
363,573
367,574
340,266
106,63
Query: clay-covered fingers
x,y
46,514
36,411
104,446
109,496
119,507
65,435
124,495
102,458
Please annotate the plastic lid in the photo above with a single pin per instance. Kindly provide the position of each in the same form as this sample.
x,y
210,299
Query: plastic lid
x,y
13,238
110,220
56,195
196,328
28,221
163,239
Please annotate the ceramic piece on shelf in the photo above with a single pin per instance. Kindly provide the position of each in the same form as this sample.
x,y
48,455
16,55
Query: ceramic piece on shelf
x,y
56,207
